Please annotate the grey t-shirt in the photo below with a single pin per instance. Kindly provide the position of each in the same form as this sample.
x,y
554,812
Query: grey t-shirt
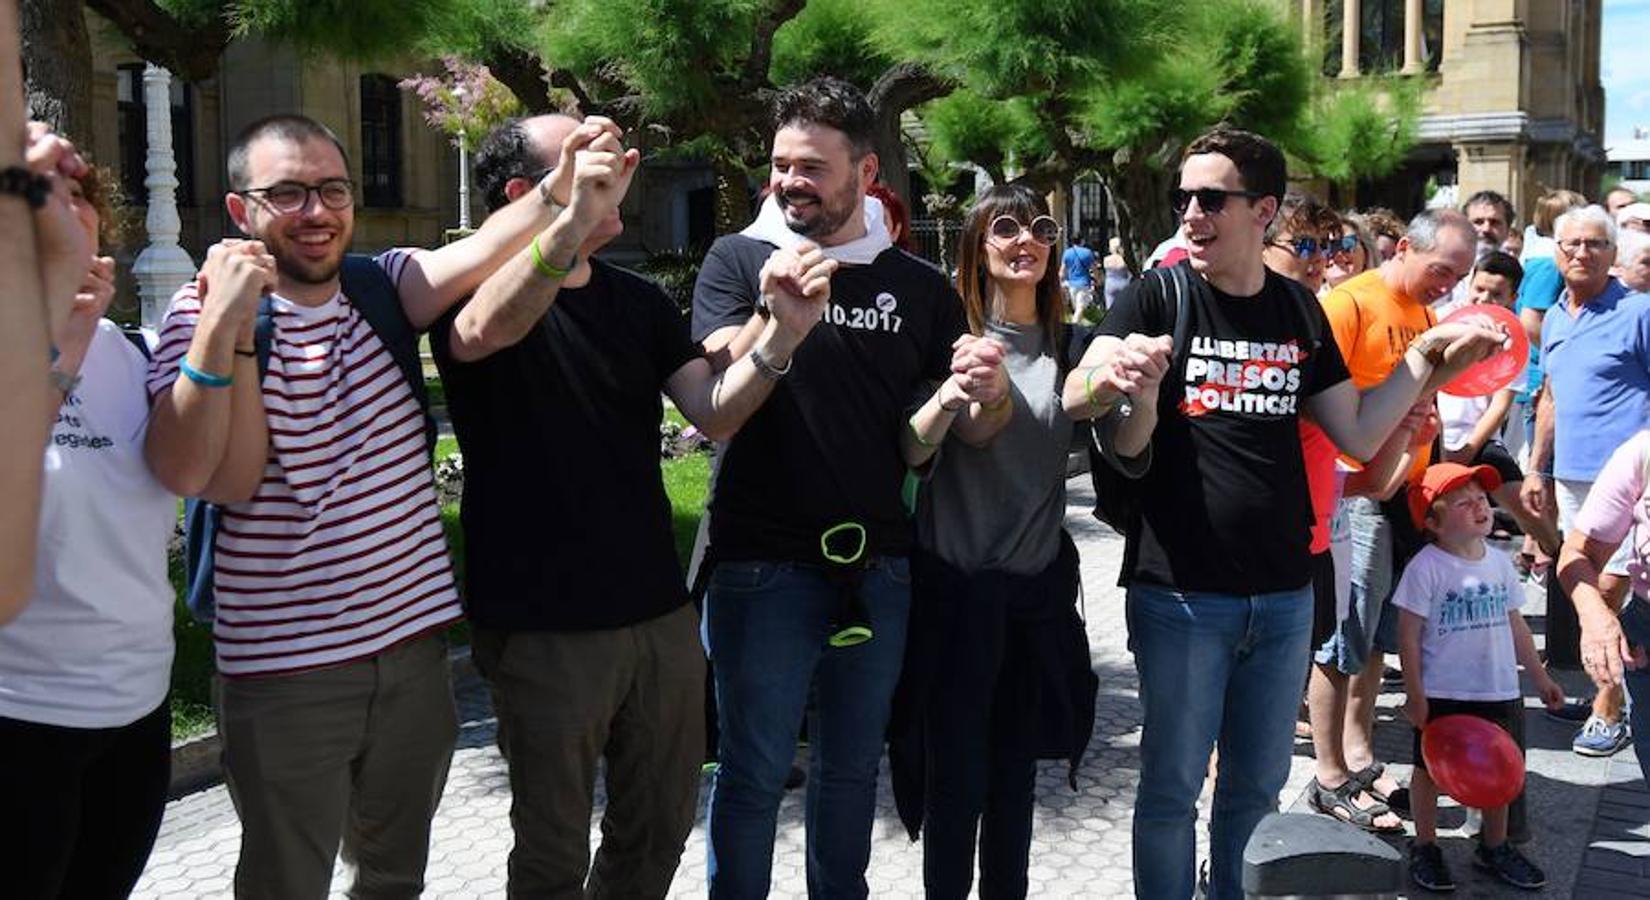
x,y
1000,507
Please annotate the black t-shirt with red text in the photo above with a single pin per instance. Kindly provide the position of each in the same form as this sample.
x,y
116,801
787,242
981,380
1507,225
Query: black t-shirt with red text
x,y
824,448
1224,505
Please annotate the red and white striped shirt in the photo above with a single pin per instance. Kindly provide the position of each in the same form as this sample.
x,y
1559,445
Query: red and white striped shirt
x,y
340,554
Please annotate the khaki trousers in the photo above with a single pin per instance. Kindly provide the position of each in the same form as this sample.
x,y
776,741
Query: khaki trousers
x,y
565,700
356,753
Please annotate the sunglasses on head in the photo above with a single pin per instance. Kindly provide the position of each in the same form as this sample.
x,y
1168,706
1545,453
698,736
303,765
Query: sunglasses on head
x,y
1044,230
1210,200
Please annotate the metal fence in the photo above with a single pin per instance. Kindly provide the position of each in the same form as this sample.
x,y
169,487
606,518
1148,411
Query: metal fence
x,y
936,241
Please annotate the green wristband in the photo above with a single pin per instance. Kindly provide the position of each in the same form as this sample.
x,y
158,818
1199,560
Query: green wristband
x,y
548,270
917,435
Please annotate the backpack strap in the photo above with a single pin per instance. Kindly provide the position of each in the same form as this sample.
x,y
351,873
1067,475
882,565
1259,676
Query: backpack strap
x,y
370,290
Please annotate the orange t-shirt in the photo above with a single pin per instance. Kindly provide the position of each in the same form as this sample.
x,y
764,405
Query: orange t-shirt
x,y
1373,325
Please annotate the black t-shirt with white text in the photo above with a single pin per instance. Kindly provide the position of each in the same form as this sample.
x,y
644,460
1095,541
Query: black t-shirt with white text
x,y
824,448
1224,505
567,526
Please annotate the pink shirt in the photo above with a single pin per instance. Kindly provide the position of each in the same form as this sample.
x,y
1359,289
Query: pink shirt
x,y
1617,508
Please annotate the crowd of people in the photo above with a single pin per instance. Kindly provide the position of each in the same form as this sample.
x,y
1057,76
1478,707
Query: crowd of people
x,y
1265,398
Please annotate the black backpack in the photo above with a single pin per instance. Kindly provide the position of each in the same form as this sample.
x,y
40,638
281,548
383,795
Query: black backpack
x,y
369,289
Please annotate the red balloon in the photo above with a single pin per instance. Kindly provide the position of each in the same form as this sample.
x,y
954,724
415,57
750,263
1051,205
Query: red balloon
x,y
1491,375
1473,760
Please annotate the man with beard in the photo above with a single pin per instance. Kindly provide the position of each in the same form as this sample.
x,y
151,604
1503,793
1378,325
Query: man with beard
x,y
330,570
808,537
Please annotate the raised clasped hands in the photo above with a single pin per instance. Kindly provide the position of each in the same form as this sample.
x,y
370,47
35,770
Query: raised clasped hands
x,y
234,277
602,171
796,285
64,245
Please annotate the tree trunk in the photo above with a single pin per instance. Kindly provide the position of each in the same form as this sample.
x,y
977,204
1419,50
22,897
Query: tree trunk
x,y
57,56
1139,194
902,87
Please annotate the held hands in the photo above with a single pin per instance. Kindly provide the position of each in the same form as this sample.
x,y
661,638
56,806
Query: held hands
x,y
557,187
602,171
977,374
64,245
235,276
796,284
1137,368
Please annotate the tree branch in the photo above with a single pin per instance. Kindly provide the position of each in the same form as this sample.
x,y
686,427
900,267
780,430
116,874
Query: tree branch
x,y
190,50
523,74
567,81
755,73
904,86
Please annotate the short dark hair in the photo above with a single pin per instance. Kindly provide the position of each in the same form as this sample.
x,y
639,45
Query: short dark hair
x,y
1259,161
1302,215
1491,198
830,102
282,126
506,152
1497,263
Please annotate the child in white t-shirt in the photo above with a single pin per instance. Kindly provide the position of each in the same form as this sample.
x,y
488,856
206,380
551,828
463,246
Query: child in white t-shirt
x,y
1462,639
1472,426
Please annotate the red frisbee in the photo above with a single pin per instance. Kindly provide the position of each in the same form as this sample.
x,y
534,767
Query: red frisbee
x,y
1492,374
1473,760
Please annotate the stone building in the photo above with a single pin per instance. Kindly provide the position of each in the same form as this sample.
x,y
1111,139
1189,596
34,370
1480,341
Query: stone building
x,y
1513,100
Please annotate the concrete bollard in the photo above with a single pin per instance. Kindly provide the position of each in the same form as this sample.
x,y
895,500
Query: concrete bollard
x,y
1310,855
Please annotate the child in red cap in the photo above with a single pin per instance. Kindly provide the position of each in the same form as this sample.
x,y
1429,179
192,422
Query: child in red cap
x,y
1462,639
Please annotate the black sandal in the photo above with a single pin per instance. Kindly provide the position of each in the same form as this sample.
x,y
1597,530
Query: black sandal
x,y
1397,801
1338,803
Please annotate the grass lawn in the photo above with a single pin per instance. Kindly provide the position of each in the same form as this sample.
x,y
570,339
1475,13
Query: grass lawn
x,y
686,481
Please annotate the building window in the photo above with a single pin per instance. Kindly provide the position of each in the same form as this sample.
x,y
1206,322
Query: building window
x,y
380,141
1381,35
133,136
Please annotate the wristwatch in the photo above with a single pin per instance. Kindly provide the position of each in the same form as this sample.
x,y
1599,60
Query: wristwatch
x,y
1430,348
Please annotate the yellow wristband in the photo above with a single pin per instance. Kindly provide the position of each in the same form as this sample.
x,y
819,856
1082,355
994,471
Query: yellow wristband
x,y
548,270
1088,386
917,435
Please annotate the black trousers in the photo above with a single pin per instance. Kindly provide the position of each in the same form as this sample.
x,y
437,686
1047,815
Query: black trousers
x,y
84,805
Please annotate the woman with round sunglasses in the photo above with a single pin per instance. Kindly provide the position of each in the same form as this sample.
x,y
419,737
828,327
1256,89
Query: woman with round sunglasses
x,y
85,729
997,650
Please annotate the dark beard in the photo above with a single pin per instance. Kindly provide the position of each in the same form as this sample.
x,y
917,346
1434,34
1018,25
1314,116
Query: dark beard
x,y
831,217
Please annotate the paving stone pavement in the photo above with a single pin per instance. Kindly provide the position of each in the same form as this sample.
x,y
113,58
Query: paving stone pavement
x,y
1591,818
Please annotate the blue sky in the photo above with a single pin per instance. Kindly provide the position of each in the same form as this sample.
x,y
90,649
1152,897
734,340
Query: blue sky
x,y
1625,67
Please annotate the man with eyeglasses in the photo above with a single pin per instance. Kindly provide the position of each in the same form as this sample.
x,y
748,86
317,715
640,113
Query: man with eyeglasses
x,y
1595,348
1218,565
809,539
291,405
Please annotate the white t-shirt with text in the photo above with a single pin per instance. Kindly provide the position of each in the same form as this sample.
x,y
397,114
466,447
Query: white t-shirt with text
x,y
1467,644
93,649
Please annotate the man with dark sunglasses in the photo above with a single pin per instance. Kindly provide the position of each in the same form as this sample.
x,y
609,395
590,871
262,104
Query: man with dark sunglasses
x,y
1217,565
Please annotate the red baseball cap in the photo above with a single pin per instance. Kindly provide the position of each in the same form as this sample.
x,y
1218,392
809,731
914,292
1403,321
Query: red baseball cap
x,y
1442,478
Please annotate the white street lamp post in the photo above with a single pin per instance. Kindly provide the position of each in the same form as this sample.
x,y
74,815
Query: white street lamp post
x,y
463,167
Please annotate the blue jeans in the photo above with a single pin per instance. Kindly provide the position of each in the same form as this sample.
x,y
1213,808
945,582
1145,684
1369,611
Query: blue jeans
x,y
1212,667
1359,635
766,625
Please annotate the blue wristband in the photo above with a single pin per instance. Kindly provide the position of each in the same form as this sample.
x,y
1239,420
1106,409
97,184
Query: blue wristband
x,y
204,379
